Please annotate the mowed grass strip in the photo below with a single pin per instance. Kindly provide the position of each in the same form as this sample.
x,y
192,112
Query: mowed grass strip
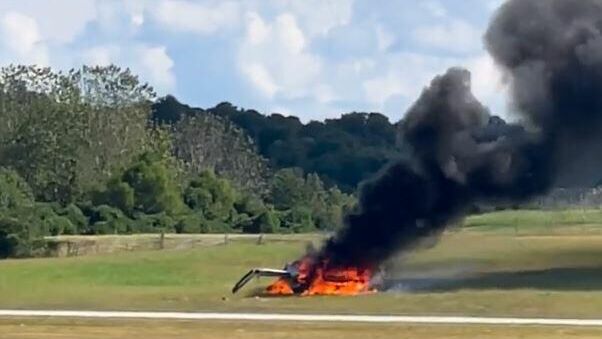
x,y
538,221
468,272
101,329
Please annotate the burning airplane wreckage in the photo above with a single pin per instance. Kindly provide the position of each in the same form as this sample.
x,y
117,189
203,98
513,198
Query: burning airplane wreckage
x,y
550,54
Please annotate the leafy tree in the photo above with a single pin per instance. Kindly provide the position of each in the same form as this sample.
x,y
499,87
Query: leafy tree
x,y
289,189
105,219
206,142
65,133
14,191
148,186
267,222
298,219
343,151
192,223
211,196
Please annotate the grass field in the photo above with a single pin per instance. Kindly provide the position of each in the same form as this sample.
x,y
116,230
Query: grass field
x,y
501,264
539,221
87,329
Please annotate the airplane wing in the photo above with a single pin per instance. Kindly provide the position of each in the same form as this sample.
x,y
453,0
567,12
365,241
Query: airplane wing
x,y
259,272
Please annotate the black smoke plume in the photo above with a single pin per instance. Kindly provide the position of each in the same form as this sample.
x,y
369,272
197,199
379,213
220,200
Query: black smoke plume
x,y
551,54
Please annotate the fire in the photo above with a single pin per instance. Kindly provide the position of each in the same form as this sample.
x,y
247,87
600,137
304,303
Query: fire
x,y
311,277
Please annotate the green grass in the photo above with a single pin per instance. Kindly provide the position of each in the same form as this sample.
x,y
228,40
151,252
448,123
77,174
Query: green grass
x,y
538,221
479,270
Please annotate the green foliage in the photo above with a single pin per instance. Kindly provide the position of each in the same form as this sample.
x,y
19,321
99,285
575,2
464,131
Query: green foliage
x,y
67,132
207,142
153,223
305,204
191,224
59,225
148,186
79,156
289,189
266,222
213,197
343,151
14,191
23,223
119,194
105,219
298,220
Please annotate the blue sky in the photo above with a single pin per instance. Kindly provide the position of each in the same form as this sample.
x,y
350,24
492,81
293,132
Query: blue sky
x,y
311,58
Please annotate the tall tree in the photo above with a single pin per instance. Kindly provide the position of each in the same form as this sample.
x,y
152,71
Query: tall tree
x,y
207,142
66,132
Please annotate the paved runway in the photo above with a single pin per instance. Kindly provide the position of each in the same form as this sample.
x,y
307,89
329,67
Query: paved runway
x,y
305,318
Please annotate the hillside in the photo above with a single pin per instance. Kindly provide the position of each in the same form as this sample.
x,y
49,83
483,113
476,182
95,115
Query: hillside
x,y
343,151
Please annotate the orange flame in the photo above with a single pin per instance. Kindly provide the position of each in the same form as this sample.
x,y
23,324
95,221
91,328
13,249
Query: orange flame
x,y
316,278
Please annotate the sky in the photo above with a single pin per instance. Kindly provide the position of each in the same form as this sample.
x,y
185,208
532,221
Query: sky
x,y
315,59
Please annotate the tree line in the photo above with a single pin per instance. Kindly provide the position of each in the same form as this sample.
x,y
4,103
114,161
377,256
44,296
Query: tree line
x,y
85,152
343,151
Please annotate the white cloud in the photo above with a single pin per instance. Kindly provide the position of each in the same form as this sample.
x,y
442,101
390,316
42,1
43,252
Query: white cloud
x,y
274,57
380,89
261,78
100,55
195,17
486,77
402,75
454,36
21,37
157,67
487,83
59,21
318,17
151,63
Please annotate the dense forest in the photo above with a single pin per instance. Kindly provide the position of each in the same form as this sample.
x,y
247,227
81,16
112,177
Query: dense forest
x,y
343,151
84,152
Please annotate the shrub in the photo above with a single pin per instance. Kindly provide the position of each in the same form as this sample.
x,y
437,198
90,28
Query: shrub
x,y
20,237
298,220
212,196
14,191
267,222
59,225
76,217
190,224
153,223
148,186
108,220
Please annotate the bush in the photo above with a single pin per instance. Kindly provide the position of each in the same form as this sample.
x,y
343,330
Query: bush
x,y
14,191
153,223
20,237
119,194
212,196
248,209
190,224
267,222
108,220
10,241
149,186
215,226
76,217
59,225
298,220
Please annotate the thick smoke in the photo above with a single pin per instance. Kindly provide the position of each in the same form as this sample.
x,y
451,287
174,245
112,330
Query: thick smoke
x,y
551,54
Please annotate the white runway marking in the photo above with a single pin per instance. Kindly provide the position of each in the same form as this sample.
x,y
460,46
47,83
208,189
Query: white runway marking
x,y
305,318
